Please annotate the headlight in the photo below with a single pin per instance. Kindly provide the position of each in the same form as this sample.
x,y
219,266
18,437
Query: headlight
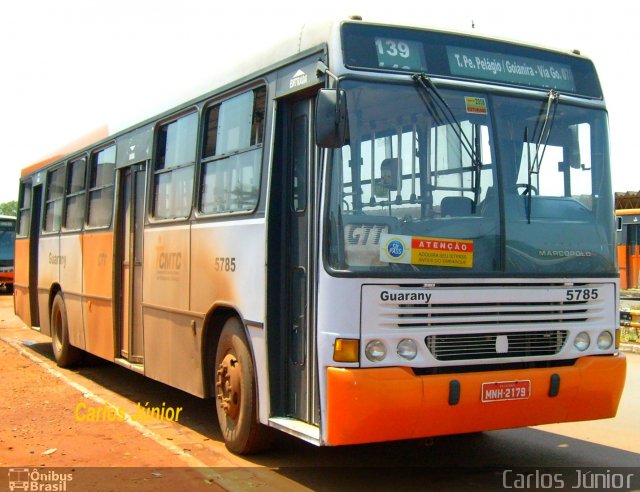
x,y
407,349
582,341
375,350
605,340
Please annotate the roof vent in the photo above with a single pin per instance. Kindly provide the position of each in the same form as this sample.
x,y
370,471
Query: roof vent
x,y
355,17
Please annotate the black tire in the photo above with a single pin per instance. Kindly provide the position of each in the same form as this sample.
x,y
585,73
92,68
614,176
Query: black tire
x,y
66,355
235,392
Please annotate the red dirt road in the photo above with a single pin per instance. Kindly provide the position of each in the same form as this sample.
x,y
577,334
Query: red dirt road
x,y
40,429
48,430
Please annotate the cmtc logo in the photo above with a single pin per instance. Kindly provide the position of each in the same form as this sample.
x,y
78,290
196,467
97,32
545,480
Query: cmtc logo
x,y
395,249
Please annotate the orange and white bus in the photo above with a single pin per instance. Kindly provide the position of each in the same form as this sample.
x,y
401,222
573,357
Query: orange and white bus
x,y
7,239
373,233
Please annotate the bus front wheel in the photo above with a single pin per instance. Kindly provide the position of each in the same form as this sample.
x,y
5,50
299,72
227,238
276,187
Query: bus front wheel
x,y
66,354
236,393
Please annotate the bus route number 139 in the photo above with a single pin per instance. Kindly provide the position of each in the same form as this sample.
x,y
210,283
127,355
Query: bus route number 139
x,y
581,294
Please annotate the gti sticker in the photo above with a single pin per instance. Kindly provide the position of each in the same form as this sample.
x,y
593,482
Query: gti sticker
x,y
432,251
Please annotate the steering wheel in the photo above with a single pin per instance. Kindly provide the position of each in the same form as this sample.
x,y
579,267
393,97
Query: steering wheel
x,y
527,189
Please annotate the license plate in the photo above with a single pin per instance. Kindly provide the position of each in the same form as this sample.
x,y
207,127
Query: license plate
x,y
506,390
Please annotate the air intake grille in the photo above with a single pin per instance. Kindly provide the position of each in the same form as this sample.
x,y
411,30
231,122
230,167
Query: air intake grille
x,y
473,314
496,345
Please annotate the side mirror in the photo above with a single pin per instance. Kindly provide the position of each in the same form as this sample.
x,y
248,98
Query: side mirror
x,y
331,118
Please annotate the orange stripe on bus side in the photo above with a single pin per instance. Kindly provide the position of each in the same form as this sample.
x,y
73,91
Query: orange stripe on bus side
x,y
21,262
97,257
21,268
622,265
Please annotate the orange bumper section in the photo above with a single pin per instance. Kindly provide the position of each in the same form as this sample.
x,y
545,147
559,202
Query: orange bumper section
x,y
392,403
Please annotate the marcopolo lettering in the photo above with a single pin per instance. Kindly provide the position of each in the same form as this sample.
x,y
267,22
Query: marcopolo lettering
x,y
385,295
563,254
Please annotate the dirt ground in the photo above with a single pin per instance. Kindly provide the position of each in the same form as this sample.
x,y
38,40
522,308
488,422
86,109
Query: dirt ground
x,y
40,429
45,432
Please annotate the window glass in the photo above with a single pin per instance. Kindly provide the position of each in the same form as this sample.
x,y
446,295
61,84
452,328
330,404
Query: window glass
x,y
74,214
556,186
231,156
53,208
410,193
300,163
173,180
24,216
103,164
231,184
177,142
7,239
234,124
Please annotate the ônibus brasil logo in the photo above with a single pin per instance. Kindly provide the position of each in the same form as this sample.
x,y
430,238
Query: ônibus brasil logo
x,y
395,249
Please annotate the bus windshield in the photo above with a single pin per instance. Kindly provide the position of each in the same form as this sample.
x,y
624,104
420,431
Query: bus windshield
x,y
461,182
7,237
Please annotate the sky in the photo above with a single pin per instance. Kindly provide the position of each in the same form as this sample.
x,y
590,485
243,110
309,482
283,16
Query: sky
x,y
68,67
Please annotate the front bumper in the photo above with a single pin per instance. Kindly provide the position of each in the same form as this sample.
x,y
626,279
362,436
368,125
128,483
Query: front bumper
x,y
392,403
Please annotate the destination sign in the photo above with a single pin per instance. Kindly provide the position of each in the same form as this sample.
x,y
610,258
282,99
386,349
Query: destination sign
x,y
372,47
510,69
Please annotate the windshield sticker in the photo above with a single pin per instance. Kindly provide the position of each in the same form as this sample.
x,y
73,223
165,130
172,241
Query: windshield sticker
x,y
476,105
431,251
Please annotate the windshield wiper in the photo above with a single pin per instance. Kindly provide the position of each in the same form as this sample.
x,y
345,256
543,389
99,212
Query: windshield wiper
x,y
424,82
549,118
547,124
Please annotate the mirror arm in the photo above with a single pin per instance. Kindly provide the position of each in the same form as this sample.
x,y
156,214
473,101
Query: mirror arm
x,y
323,69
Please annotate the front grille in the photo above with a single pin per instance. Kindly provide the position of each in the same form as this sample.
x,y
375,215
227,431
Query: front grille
x,y
479,346
523,312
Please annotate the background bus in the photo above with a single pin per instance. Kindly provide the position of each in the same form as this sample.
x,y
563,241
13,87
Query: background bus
x,y
7,239
374,233
628,240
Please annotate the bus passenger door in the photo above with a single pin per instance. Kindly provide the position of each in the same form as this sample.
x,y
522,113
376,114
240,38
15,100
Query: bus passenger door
x,y
131,220
34,244
291,276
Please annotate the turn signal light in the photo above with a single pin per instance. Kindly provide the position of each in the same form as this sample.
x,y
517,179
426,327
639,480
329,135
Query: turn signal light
x,y
346,350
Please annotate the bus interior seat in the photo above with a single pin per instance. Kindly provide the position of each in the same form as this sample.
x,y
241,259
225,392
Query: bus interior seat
x,y
456,206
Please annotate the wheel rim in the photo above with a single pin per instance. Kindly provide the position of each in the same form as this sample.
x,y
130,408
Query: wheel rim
x,y
229,387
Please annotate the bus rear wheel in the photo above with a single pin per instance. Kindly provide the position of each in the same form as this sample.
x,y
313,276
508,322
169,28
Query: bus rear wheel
x,y
66,354
236,394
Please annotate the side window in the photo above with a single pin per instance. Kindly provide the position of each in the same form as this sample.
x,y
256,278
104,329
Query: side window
x,y
231,154
53,207
103,166
75,198
24,212
174,164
